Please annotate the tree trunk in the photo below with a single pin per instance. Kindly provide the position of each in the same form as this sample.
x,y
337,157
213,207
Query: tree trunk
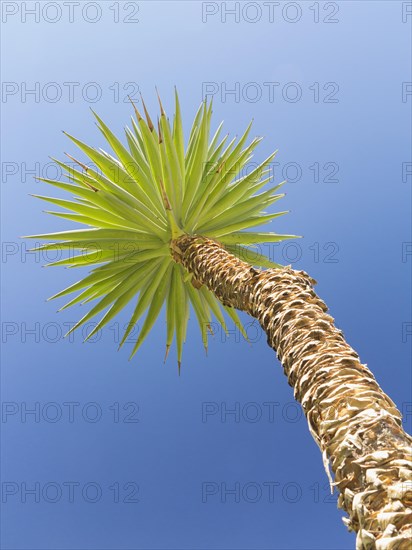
x,y
356,425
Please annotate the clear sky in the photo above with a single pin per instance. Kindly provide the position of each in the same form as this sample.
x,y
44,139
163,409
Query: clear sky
x,y
127,455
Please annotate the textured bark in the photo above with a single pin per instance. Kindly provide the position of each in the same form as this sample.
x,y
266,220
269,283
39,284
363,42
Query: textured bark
x,y
356,425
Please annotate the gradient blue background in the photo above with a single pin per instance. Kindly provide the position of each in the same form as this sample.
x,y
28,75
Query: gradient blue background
x,y
171,452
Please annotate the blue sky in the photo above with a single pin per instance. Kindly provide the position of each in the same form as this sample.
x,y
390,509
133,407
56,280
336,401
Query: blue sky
x,y
127,455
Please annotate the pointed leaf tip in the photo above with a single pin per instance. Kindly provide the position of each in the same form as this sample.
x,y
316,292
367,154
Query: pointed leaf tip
x,y
149,120
138,115
162,112
77,162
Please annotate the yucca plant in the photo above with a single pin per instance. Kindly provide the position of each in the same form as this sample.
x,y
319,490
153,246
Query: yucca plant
x,y
166,224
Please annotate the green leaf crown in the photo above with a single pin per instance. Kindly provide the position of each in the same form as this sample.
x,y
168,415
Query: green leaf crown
x,y
136,202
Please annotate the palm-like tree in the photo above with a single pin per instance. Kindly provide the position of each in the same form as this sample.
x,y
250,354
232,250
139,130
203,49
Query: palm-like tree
x,y
166,223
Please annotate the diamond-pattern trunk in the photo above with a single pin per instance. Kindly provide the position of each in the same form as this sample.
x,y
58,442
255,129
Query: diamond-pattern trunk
x,y
356,425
